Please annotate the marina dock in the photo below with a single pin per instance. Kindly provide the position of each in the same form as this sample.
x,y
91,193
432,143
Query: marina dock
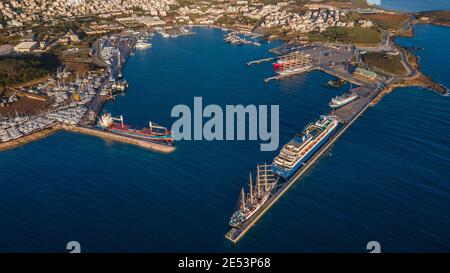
x,y
279,77
260,61
235,39
78,113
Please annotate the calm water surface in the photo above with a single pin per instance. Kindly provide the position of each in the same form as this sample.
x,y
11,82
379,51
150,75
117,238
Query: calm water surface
x,y
416,5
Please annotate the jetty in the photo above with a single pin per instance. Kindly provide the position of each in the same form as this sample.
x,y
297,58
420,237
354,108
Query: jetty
x,y
233,38
157,147
288,75
367,91
260,61
347,116
153,146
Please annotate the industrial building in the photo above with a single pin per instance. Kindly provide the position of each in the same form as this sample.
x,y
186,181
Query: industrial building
x,y
25,47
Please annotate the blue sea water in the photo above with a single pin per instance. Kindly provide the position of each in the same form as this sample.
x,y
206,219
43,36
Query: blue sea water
x,y
386,179
415,5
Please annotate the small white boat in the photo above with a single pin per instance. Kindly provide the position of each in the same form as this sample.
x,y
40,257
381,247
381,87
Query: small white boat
x,y
165,35
142,45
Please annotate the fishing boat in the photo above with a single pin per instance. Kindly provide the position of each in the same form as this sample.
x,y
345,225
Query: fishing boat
x,y
299,149
340,101
154,133
257,196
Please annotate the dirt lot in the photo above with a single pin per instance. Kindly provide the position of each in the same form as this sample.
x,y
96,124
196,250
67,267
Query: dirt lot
x,y
25,105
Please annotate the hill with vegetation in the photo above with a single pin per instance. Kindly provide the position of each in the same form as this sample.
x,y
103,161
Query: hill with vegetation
x,y
20,69
440,17
353,35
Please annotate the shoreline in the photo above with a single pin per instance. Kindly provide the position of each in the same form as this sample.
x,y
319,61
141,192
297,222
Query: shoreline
x,y
4,146
419,79
226,28
58,126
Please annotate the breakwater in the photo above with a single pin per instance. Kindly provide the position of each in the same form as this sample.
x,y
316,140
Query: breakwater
x,y
114,137
28,138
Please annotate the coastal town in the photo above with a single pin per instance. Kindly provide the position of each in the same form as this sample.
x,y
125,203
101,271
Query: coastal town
x,y
80,37
61,61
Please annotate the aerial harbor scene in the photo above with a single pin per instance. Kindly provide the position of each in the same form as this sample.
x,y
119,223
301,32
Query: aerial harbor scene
x,y
115,128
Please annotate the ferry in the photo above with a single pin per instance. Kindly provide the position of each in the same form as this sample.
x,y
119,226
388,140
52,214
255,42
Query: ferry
x,y
296,152
258,195
154,133
340,101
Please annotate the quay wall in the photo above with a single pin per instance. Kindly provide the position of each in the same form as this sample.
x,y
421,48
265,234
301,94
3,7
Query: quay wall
x,y
235,234
87,131
110,136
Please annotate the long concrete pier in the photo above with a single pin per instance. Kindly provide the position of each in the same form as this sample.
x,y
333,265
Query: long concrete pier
x,y
157,147
348,115
288,75
260,61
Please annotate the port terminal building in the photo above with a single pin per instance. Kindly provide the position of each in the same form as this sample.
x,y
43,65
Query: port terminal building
x,y
365,75
24,47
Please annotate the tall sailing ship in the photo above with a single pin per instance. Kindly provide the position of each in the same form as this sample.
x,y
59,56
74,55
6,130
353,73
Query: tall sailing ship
x,y
154,133
295,62
297,151
257,196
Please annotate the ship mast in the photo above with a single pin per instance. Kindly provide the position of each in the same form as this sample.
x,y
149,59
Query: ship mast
x,y
258,182
251,189
242,199
265,176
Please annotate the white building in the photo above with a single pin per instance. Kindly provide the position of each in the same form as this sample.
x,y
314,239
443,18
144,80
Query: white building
x,y
25,47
